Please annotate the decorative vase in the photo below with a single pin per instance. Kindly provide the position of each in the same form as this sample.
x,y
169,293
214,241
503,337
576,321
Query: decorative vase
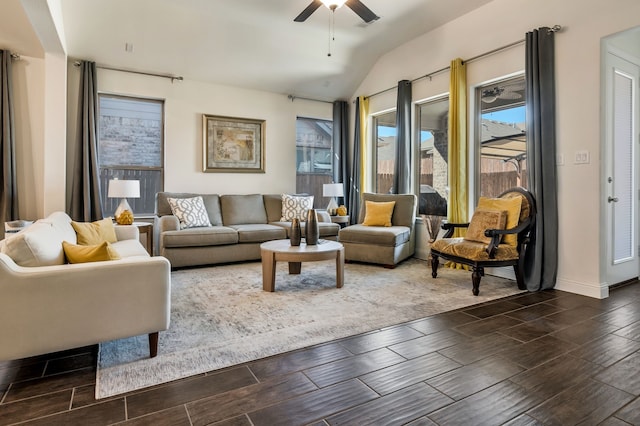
x,y
312,230
296,233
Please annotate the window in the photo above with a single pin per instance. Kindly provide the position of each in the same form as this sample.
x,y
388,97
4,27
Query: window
x,y
385,134
131,146
433,120
314,156
502,138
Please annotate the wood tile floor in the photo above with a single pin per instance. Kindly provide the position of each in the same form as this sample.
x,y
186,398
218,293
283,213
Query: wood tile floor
x,y
549,358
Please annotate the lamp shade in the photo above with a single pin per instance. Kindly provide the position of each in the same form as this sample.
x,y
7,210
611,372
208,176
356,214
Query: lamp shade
x,y
332,190
124,188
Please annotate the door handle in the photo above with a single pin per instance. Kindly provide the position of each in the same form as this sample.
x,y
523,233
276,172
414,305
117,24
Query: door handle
x,y
612,199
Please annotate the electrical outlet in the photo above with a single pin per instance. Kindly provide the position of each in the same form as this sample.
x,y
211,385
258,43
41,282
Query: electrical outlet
x,y
581,157
559,159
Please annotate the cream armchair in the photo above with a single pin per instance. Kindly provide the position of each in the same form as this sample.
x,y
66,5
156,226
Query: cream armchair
x,y
385,245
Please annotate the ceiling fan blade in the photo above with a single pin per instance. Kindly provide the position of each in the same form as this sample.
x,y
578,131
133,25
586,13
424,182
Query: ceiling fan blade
x,y
362,11
315,4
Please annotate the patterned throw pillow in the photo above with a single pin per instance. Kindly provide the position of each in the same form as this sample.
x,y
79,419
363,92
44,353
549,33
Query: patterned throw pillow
x,y
295,206
482,220
191,212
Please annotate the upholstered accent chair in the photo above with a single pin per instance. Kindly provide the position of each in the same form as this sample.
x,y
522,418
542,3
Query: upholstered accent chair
x,y
386,243
497,236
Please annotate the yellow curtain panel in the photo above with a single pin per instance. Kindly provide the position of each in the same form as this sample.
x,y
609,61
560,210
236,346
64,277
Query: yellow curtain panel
x,y
364,125
458,151
458,211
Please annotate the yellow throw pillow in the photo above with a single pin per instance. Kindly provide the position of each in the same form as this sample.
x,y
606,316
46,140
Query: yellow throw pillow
x,y
89,253
481,221
93,233
512,206
378,213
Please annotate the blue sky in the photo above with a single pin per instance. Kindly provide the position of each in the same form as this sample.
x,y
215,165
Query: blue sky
x,y
511,115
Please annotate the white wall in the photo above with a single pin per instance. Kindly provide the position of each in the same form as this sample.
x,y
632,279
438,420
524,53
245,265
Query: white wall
x,y
500,23
186,102
40,99
28,84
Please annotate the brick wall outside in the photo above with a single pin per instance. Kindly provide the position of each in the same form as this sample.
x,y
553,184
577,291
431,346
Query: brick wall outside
x,y
130,141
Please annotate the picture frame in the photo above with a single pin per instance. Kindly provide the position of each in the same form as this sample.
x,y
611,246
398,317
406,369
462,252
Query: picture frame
x,y
232,145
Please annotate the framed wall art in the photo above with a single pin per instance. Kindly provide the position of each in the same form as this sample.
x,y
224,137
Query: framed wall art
x,y
232,145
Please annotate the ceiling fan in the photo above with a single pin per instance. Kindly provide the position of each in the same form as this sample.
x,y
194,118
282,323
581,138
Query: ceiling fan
x,y
356,5
501,92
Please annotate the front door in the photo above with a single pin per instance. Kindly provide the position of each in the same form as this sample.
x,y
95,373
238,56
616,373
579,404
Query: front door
x,y
621,195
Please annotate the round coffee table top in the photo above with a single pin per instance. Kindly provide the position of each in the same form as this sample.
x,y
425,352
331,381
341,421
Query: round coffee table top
x,y
281,246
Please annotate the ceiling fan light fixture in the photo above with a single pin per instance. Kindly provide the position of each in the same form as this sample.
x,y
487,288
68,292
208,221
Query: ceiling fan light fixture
x,y
489,98
333,4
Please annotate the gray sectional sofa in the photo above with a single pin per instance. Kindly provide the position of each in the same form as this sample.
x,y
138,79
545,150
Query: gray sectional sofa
x,y
240,224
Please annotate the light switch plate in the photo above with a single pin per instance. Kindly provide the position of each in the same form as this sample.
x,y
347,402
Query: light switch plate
x,y
582,157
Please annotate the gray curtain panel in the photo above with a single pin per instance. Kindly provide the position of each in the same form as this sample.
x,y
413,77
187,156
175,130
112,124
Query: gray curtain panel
x,y
541,257
353,205
341,145
9,194
86,203
402,172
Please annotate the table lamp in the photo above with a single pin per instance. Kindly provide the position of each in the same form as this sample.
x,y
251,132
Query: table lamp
x,y
332,190
124,189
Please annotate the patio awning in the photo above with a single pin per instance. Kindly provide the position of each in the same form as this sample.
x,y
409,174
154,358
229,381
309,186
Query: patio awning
x,y
505,147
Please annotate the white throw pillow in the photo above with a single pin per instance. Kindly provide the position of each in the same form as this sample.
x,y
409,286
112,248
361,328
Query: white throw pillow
x,y
191,212
37,245
295,206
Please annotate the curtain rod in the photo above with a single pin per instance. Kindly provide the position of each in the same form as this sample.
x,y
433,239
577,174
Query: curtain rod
x,y
554,29
104,67
293,98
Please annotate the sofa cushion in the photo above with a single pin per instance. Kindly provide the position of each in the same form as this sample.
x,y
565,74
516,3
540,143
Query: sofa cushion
x,y
273,206
94,233
391,236
199,237
191,212
242,209
296,206
211,204
259,233
38,245
327,229
129,248
89,253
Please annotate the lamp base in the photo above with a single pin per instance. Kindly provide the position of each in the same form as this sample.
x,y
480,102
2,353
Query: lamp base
x,y
332,207
120,218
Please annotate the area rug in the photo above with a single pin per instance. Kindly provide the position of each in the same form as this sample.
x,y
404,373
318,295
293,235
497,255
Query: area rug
x,y
220,316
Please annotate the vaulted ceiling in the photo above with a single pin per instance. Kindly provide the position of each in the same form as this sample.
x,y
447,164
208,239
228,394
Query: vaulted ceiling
x,y
247,43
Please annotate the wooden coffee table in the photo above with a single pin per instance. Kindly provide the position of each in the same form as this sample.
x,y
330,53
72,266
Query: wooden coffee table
x,y
281,250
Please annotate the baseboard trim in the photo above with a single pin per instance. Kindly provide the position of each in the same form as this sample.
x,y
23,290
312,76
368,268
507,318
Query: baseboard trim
x,y
597,290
